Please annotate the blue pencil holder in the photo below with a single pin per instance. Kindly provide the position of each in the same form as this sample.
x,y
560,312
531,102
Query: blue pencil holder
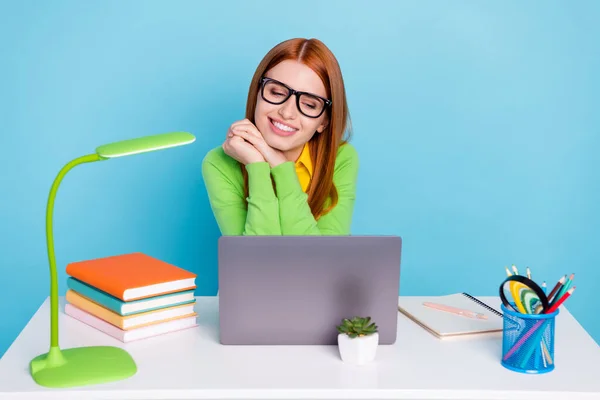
x,y
528,341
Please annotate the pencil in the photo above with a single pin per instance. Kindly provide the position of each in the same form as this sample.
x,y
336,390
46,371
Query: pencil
x,y
514,268
544,287
539,353
562,299
565,287
544,353
558,285
508,273
545,349
528,273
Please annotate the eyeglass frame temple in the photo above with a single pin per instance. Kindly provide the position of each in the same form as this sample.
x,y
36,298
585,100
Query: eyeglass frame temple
x,y
294,92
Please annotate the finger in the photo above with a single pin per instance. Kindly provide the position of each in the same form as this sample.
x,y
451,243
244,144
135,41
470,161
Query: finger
x,y
242,121
231,132
239,133
258,143
237,139
248,126
229,145
234,140
242,126
237,123
248,129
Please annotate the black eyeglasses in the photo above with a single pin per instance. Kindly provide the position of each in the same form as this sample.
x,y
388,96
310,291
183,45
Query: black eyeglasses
x,y
275,92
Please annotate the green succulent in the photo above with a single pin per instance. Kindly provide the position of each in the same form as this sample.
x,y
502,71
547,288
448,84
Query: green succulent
x,y
357,326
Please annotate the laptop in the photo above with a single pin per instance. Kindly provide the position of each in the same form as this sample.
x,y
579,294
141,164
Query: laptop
x,y
295,290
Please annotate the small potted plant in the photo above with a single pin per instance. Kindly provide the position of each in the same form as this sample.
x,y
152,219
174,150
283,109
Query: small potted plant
x,y
358,340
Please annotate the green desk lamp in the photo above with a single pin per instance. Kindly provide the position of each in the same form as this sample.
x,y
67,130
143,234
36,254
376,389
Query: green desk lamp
x,y
95,364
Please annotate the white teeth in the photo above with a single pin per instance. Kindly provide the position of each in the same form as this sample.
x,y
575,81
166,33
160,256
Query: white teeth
x,y
283,127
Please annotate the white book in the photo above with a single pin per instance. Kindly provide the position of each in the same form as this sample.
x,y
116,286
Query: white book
x,y
131,334
443,324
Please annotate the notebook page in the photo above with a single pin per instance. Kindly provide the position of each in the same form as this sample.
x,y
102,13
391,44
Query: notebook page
x,y
444,323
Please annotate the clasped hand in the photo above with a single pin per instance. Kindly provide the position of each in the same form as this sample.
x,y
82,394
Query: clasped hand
x,y
246,144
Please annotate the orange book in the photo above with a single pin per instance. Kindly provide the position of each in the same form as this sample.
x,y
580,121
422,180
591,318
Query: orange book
x,y
132,276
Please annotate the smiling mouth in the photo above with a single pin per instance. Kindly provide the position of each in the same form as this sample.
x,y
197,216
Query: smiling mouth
x,y
281,129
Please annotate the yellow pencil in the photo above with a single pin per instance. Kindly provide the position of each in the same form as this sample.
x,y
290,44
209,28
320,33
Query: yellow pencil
x,y
508,272
528,273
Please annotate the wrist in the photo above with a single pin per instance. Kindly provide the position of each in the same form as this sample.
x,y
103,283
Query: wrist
x,y
276,161
275,164
254,161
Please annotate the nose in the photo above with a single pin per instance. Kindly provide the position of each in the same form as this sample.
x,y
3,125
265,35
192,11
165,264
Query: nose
x,y
288,109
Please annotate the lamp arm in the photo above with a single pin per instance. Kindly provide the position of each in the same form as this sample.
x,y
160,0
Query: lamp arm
x,y
50,243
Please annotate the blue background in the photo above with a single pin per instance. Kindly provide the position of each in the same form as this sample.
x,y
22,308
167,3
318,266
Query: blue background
x,y
477,125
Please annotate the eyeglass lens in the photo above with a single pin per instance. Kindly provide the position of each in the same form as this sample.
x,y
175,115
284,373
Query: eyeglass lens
x,y
276,93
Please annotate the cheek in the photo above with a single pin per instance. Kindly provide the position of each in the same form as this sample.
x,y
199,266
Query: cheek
x,y
258,112
260,116
260,119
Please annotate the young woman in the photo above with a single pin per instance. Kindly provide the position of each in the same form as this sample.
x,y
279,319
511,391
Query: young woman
x,y
286,169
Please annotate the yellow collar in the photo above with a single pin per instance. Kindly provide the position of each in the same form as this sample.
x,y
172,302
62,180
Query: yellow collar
x,y
305,160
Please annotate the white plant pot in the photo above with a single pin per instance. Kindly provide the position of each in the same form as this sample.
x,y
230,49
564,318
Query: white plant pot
x,y
359,350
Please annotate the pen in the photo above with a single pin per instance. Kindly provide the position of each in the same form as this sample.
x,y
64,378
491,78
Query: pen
x,y
458,311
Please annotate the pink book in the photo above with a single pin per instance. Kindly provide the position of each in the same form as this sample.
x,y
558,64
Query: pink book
x,y
131,334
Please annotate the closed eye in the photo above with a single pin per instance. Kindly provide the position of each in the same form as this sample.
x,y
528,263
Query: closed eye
x,y
276,93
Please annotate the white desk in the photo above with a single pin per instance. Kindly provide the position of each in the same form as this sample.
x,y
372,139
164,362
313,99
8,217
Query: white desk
x,y
191,364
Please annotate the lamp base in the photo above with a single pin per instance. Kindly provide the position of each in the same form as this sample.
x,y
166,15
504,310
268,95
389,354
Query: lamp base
x,y
81,366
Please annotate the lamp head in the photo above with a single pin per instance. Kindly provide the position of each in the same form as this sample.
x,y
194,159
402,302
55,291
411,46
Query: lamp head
x,y
144,144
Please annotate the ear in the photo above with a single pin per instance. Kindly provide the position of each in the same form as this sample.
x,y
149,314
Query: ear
x,y
322,127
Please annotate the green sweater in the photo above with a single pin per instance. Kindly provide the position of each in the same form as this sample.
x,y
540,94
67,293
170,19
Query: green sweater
x,y
281,212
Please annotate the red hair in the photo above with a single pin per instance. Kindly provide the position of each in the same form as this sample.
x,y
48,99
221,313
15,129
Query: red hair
x,y
323,146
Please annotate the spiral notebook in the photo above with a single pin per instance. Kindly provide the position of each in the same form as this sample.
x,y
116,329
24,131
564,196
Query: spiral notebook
x,y
443,324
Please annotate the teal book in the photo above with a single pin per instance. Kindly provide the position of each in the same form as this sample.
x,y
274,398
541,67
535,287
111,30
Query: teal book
x,y
130,307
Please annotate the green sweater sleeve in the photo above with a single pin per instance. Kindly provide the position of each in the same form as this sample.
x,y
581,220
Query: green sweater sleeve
x,y
294,212
225,188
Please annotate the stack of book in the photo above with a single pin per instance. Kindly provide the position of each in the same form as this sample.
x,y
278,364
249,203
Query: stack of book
x,y
131,296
